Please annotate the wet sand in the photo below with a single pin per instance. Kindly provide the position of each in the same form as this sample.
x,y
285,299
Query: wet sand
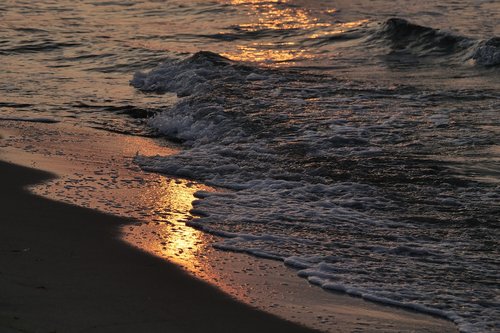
x,y
106,180
63,269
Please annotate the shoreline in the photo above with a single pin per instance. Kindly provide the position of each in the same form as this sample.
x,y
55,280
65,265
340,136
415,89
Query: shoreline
x,y
111,183
64,269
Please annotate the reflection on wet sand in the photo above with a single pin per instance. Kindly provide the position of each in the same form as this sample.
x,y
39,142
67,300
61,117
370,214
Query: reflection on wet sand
x,y
171,201
106,179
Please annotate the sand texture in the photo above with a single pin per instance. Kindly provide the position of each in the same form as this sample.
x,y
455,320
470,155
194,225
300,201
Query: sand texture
x,y
155,208
63,269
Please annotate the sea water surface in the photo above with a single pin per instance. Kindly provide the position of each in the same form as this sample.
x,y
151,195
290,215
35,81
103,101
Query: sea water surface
x,y
356,141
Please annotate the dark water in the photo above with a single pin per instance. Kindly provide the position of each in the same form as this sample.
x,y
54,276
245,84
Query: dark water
x,y
358,140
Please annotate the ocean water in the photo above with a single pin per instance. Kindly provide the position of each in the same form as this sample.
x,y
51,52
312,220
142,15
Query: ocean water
x,y
356,141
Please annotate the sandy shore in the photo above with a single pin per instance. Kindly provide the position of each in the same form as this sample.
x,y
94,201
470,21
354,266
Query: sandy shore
x,y
67,239
64,270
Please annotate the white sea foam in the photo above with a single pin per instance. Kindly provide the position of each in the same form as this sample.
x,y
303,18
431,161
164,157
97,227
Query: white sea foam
x,y
327,179
487,53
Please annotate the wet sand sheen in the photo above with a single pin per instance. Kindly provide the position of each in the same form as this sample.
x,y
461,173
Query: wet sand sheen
x,y
64,269
267,285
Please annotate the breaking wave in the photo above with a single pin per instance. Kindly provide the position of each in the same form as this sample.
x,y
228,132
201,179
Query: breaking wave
x,y
406,37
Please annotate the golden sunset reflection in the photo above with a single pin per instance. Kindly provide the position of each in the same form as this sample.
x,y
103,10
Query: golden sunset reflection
x,y
133,145
268,16
106,179
339,28
171,201
258,53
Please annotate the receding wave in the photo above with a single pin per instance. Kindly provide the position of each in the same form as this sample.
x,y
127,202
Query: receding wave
x,y
361,151
342,180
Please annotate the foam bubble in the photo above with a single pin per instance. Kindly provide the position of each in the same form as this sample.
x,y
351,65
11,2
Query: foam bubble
x,y
337,179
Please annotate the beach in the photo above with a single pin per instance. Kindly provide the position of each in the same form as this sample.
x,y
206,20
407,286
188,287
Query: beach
x,y
65,270
68,268
322,165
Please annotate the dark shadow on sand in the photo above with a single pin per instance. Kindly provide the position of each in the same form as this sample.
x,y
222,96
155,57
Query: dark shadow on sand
x,y
64,269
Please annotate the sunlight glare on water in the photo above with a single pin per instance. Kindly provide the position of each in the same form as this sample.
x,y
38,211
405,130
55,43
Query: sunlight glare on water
x,y
357,139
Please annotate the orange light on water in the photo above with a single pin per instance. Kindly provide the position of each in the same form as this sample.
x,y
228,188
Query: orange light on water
x,y
266,16
171,201
339,28
270,15
260,54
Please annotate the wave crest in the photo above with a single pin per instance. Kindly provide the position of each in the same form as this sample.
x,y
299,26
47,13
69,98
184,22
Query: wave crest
x,y
405,37
488,53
